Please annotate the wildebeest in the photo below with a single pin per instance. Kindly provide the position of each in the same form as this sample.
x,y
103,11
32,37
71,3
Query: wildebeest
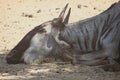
x,y
92,41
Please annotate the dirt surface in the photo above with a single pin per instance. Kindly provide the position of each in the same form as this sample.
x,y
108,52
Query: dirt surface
x,y
17,17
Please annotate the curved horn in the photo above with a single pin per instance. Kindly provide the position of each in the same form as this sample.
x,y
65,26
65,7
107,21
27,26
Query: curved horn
x,y
63,12
67,17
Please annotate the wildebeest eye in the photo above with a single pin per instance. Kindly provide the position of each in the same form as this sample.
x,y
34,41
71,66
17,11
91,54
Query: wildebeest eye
x,y
14,51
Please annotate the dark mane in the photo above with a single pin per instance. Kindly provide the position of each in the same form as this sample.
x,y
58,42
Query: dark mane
x,y
112,6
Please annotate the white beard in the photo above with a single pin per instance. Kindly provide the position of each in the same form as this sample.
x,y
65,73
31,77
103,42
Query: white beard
x,y
38,48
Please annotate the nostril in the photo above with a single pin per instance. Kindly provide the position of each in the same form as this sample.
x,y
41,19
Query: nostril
x,y
11,60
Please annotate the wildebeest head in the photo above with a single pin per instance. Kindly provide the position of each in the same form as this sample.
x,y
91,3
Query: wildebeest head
x,y
40,42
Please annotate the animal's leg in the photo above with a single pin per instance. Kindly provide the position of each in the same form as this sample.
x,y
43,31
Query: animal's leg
x,y
113,57
112,66
92,55
93,58
106,62
92,62
109,51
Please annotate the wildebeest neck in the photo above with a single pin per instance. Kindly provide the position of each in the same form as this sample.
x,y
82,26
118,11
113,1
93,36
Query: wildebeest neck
x,y
86,35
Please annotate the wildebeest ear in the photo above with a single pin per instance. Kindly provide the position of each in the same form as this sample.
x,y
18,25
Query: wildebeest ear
x,y
67,17
63,12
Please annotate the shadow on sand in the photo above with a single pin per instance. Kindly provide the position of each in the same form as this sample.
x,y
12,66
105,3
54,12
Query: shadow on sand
x,y
51,71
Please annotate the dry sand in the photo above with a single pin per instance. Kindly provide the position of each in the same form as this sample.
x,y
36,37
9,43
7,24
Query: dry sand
x,y
17,17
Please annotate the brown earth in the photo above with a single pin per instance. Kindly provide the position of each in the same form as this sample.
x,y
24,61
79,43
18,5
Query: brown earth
x,y
17,17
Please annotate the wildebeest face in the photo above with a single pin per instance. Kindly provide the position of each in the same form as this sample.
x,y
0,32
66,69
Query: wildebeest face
x,y
13,57
41,42
40,47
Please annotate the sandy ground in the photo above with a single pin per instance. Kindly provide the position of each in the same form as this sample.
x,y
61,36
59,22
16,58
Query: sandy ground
x,y
17,17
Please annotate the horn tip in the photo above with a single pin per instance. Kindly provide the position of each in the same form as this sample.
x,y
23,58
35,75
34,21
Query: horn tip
x,y
67,4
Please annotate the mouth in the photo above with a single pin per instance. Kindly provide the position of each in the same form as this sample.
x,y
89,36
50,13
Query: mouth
x,y
13,61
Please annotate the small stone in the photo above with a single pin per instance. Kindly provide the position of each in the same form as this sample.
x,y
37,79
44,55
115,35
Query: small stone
x,y
94,8
39,11
85,6
57,71
57,8
30,16
27,15
79,6
9,8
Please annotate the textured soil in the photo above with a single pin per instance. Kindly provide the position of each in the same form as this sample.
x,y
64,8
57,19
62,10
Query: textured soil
x,y
17,17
